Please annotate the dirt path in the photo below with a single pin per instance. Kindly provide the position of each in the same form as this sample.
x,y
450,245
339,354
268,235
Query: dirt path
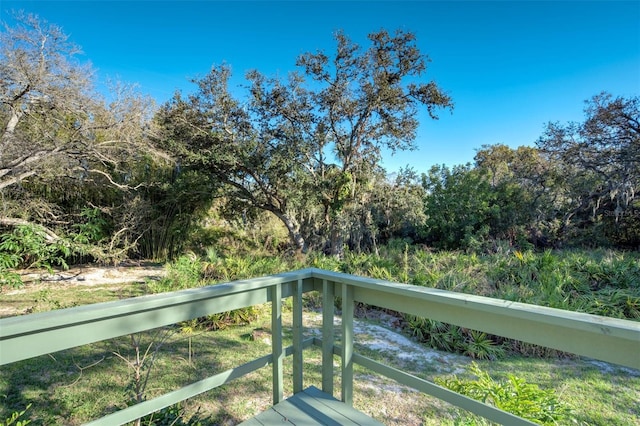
x,y
86,276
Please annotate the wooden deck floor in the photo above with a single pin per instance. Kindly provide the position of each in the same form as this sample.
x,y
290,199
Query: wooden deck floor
x,y
311,407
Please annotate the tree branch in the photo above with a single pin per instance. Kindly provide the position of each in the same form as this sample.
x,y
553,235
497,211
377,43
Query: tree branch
x,y
12,222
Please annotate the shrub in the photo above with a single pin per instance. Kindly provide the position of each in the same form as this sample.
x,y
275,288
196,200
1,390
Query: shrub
x,y
14,419
514,395
451,338
28,246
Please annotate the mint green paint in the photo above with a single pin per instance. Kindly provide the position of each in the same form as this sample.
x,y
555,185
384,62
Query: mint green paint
x,y
328,300
139,410
276,343
347,344
606,339
297,338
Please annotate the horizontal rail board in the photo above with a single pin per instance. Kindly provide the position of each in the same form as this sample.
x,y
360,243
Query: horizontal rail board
x,y
578,333
53,331
606,339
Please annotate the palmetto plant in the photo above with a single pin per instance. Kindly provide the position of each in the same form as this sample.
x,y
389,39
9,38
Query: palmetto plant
x,y
478,345
451,338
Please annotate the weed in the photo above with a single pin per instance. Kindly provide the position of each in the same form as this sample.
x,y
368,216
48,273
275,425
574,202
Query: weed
x,y
513,395
478,345
15,418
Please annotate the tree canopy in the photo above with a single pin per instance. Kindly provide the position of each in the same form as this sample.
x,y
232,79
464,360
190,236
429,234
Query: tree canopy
x,y
86,178
66,154
303,147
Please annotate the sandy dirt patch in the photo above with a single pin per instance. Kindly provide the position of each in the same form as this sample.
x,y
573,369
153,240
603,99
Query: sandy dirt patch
x,y
87,276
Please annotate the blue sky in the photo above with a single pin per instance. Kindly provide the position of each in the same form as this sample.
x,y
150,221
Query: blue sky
x,y
510,66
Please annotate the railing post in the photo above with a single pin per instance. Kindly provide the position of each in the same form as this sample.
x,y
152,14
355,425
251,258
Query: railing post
x,y
328,300
297,338
276,342
347,344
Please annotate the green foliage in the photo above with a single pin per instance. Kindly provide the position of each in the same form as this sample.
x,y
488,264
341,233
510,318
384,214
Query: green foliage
x,y
174,415
93,229
14,419
330,263
190,271
174,212
464,210
514,395
8,277
596,196
571,280
452,338
184,272
29,246
598,282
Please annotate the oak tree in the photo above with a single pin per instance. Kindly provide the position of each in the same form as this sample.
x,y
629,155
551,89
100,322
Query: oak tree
x,y
599,160
302,147
63,147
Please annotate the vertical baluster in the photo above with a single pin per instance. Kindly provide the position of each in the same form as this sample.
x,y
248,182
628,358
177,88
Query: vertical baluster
x,y
297,338
347,344
276,342
328,300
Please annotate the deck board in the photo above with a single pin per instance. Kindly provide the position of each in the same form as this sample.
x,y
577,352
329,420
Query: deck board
x,y
312,407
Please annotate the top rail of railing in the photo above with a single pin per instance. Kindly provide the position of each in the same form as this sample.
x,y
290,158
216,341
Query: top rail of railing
x,y
606,339
27,336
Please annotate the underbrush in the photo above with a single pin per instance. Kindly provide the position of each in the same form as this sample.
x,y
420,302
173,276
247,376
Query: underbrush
x,y
598,282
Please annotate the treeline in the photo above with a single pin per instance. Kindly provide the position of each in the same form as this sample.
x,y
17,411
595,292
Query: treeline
x,y
88,178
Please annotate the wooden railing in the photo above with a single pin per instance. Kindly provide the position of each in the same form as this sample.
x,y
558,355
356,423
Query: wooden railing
x,y
606,339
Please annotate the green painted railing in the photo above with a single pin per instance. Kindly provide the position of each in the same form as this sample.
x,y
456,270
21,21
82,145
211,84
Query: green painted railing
x,y
606,339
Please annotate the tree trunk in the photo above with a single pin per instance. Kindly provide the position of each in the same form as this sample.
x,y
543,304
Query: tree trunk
x,y
294,231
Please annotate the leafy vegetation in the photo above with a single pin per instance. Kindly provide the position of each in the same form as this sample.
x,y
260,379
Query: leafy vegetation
x,y
223,187
513,395
138,182
15,418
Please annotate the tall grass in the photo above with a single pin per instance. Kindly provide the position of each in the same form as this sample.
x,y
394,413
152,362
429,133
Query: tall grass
x,y
600,282
597,282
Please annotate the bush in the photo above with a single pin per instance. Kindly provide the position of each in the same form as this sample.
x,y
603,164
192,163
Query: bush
x,y
514,395
29,246
451,338
185,272
14,419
